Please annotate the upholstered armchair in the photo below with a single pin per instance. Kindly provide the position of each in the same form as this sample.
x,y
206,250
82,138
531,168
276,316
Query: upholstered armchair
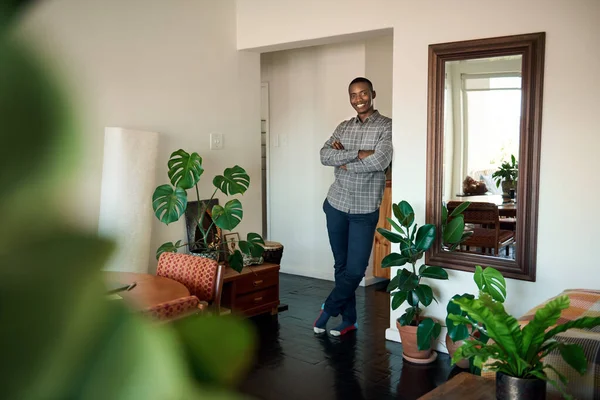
x,y
202,276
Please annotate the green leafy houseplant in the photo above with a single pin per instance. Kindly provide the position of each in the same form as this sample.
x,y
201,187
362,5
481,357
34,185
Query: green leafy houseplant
x,y
515,351
508,172
407,285
488,281
170,201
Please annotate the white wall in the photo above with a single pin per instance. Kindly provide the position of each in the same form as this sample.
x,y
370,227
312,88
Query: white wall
x,y
569,186
308,98
379,69
308,91
170,67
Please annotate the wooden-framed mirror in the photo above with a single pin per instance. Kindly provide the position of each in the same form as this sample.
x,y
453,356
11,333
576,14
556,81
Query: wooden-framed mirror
x,y
484,106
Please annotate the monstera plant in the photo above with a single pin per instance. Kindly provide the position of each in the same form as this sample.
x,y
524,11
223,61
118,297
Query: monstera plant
x,y
170,201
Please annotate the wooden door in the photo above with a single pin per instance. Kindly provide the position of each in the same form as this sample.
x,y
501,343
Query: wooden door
x,y
381,246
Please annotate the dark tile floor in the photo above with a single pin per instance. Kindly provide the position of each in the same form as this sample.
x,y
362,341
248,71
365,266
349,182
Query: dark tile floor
x,y
294,363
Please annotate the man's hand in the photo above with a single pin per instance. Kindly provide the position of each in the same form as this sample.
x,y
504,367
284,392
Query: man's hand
x,y
365,153
337,145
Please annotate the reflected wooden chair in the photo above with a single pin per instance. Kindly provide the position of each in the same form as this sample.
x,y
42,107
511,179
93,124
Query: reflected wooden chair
x,y
485,222
202,276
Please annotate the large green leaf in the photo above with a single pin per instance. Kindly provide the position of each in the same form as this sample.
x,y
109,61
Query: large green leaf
x,y
490,281
253,245
498,326
236,261
168,247
184,169
393,285
456,331
580,323
404,213
425,237
460,208
573,354
233,181
444,214
412,298
389,235
425,294
397,299
169,203
408,317
434,273
228,217
34,115
407,280
393,260
395,225
534,331
427,331
221,347
454,230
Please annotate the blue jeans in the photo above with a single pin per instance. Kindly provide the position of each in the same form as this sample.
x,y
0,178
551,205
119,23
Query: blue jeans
x,y
351,239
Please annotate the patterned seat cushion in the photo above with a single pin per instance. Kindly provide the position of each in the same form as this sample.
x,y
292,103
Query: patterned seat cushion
x,y
198,274
173,309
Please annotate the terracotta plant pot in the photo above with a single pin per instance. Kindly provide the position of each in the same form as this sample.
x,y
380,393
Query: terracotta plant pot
x,y
511,388
410,349
452,347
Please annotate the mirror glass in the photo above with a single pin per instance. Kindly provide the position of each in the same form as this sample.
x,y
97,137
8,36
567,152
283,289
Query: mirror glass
x,y
482,126
484,132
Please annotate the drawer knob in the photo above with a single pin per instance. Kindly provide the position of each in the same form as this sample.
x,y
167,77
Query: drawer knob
x,y
257,299
256,283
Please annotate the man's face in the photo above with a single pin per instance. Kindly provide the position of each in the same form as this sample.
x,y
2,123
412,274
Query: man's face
x,y
361,98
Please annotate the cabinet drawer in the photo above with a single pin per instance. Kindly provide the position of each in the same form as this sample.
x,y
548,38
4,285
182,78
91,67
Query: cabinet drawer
x,y
257,299
252,282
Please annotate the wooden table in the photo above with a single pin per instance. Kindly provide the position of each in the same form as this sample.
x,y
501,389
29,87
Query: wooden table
x,y
253,291
464,386
149,289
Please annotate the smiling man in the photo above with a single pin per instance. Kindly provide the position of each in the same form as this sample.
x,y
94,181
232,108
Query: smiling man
x,y
360,150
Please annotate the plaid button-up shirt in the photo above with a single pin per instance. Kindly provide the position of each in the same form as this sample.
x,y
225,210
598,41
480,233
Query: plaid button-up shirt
x,y
358,189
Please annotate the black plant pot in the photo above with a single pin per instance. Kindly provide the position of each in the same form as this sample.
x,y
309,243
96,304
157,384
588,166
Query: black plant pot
x,y
511,388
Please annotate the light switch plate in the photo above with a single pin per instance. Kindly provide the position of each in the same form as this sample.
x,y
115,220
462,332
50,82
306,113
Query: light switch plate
x,y
216,141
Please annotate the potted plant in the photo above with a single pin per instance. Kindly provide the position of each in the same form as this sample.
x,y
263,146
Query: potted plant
x,y
516,352
489,281
169,202
417,332
507,175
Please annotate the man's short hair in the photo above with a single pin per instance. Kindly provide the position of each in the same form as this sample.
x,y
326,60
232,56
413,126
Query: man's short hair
x,y
360,79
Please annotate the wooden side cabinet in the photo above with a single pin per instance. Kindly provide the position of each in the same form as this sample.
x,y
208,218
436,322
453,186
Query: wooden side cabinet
x,y
253,291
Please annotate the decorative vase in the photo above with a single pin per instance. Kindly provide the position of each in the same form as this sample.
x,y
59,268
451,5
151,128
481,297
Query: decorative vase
x,y
511,388
452,347
506,187
410,349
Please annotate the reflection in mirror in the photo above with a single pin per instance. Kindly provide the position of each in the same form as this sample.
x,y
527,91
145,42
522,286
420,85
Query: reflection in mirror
x,y
484,129
482,117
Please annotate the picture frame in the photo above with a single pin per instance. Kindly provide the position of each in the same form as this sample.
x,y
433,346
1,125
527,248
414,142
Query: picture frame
x,y
231,241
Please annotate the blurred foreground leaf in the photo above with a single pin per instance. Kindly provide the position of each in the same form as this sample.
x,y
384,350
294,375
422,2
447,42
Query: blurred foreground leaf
x,y
220,347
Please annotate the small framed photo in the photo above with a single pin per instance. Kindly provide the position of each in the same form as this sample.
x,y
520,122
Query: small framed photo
x,y
231,241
